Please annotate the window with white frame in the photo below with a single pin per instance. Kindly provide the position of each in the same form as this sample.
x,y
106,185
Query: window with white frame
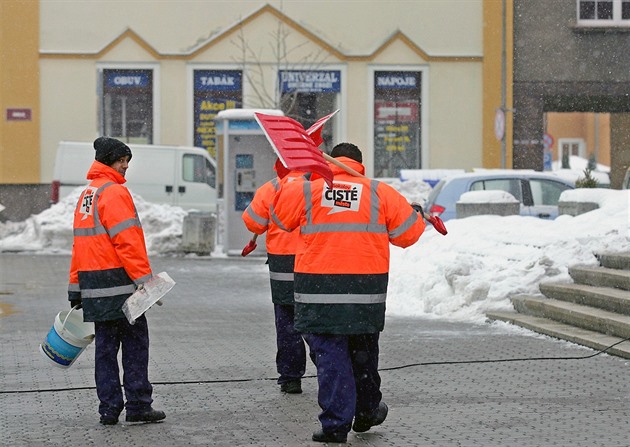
x,y
397,121
570,147
126,105
603,12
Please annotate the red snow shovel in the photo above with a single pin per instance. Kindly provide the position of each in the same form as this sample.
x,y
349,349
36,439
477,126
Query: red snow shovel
x,y
294,146
296,149
437,223
433,220
251,246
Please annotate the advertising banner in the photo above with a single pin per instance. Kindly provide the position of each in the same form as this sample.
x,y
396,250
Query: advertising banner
x,y
214,90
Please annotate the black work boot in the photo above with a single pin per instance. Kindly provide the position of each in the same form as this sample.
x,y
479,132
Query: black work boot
x,y
107,419
149,415
321,436
364,423
292,387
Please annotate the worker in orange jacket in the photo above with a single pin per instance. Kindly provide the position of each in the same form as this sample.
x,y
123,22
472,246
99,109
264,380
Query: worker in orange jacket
x,y
291,350
109,262
341,276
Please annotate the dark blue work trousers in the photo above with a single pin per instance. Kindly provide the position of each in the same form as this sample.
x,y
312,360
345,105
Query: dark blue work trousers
x,y
348,378
291,350
134,339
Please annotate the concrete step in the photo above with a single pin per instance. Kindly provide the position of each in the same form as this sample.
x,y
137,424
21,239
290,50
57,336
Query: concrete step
x,y
601,277
584,317
584,337
615,261
607,298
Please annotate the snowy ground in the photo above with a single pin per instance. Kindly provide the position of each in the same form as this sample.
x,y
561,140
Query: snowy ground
x,y
475,268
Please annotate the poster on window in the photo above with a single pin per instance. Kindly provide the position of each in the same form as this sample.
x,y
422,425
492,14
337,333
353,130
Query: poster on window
x,y
214,90
397,126
395,136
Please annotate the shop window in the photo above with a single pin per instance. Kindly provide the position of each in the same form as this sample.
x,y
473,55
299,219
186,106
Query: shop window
x,y
214,90
307,95
397,125
127,105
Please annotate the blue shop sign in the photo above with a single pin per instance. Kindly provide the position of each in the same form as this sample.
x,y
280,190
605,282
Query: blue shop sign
x,y
218,80
320,81
127,79
397,80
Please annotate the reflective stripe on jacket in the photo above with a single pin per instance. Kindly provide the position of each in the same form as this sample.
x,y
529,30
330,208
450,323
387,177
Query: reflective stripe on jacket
x,y
109,257
280,244
342,260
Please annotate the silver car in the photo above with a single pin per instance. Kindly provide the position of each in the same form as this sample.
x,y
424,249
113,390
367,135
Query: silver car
x,y
538,192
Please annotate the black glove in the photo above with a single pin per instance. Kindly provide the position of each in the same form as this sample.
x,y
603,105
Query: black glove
x,y
74,303
416,206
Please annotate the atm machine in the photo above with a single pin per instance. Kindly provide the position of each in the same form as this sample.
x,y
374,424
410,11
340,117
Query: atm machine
x,y
245,162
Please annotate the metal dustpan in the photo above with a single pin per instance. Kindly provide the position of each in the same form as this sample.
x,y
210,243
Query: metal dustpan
x,y
146,296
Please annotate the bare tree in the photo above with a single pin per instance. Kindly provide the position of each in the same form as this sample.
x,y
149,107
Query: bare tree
x,y
283,58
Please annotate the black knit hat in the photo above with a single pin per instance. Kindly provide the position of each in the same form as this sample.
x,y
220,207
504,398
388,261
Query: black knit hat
x,y
347,150
109,150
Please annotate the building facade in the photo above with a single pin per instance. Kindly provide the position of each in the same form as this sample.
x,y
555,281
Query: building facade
x,y
572,57
418,91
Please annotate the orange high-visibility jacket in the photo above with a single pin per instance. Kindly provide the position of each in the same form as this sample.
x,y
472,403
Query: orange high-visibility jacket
x,y
342,259
280,244
109,256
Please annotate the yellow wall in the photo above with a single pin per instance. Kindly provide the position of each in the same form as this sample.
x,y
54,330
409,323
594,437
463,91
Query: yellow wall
x,y
19,89
492,48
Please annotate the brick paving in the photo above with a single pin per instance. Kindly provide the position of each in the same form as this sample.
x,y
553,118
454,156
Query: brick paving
x,y
212,365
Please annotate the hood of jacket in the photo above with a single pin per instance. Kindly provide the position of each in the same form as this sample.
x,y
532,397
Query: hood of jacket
x,y
98,170
348,162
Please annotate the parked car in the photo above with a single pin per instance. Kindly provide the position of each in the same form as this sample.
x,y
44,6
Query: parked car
x,y
538,192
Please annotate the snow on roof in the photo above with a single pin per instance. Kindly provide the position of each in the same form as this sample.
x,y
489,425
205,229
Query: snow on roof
x,y
489,196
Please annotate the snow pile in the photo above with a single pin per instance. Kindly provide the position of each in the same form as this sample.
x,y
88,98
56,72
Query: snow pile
x,y
476,267
413,190
51,230
486,259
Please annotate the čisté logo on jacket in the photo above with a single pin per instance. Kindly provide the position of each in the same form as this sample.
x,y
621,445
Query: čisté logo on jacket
x,y
87,201
343,196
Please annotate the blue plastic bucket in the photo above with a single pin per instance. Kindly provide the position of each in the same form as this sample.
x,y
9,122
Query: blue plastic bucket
x,y
68,337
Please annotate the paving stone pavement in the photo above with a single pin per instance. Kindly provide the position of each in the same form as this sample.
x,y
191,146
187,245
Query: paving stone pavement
x,y
212,366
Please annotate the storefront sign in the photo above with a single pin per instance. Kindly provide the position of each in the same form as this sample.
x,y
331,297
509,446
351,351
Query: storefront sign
x,y
310,81
218,80
398,80
214,90
127,79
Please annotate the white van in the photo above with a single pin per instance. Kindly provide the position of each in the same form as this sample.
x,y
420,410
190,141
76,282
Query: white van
x,y
176,175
